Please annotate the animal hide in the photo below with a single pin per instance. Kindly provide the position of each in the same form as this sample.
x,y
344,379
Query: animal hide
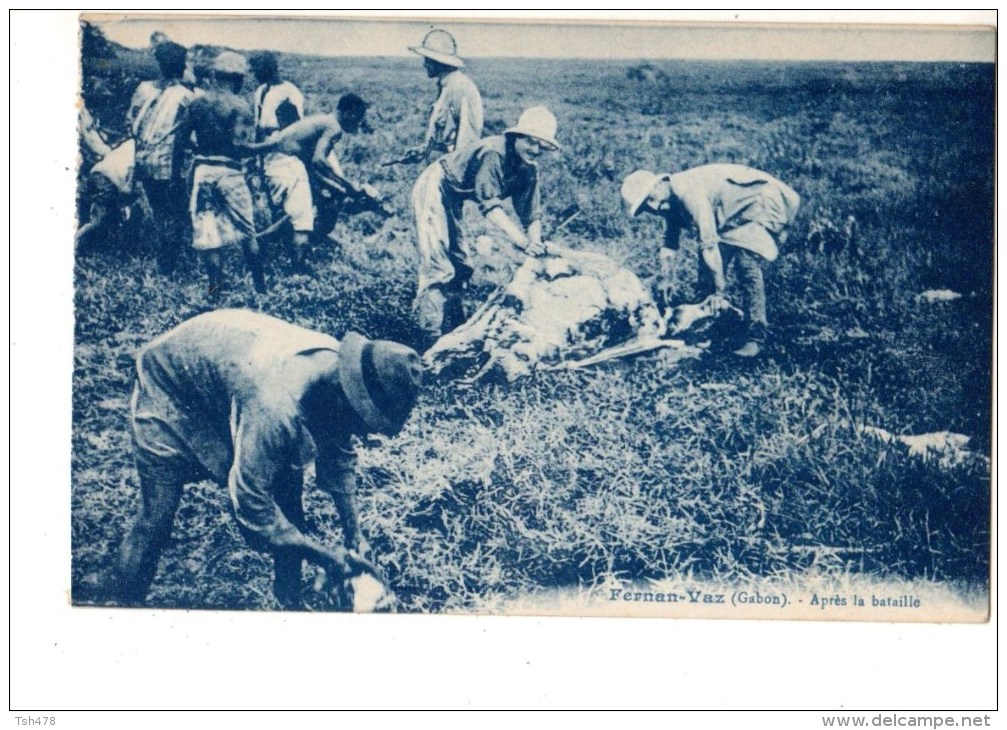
x,y
559,308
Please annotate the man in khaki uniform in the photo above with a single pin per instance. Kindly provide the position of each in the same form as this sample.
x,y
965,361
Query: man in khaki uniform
x,y
250,401
456,118
740,213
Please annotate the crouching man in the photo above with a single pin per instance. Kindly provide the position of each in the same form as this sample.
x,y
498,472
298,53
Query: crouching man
x,y
250,401
740,213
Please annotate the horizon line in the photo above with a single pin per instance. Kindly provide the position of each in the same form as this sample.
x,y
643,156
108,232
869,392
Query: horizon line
x,y
542,39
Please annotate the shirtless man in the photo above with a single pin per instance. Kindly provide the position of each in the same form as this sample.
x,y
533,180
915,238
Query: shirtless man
x,y
221,205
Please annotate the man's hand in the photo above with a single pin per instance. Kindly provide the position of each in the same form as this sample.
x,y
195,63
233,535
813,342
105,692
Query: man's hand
x,y
714,262
535,248
362,548
335,561
717,303
344,563
359,564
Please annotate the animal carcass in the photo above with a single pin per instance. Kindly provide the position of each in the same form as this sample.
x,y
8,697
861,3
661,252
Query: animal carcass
x,y
561,309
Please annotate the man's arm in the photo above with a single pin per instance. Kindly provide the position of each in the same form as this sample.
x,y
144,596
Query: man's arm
x,y
528,206
434,123
699,207
514,232
469,129
349,520
324,154
297,99
335,473
489,184
290,138
715,263
92,137
263,449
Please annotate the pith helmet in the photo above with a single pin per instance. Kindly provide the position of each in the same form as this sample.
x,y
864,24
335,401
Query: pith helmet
x,y
537,122
229,62
381,379
635,189
440,46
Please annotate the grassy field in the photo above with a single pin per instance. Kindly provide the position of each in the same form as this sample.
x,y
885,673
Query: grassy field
x,y
713,469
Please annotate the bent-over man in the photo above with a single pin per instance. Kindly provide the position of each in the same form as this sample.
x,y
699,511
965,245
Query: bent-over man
x,y
740,213
313,141
497,169
250,401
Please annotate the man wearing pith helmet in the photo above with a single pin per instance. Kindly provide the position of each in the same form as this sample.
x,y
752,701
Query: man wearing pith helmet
x,y
456,119
740,214
497,169
251,401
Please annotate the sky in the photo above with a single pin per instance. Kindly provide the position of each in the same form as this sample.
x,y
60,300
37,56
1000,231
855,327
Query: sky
x,y
641,37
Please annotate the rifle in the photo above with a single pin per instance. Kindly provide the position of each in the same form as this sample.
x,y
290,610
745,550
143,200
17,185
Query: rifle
x,y
359,198
409,158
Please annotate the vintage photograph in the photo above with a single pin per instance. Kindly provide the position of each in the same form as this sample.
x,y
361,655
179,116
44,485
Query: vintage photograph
x,y
533,318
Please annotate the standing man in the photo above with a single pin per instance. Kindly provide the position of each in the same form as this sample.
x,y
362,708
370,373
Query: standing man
x,y
275,99
250,401
456,119
740,213
279,104
488,173
159,116
221,205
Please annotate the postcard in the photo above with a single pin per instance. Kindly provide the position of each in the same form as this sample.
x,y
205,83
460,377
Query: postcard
x,y
534,318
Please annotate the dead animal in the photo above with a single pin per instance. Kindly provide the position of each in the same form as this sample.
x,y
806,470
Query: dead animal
x,y
684,316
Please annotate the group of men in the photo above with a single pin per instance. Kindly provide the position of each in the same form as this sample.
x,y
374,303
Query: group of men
x,y
201,153
740,212
251,401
